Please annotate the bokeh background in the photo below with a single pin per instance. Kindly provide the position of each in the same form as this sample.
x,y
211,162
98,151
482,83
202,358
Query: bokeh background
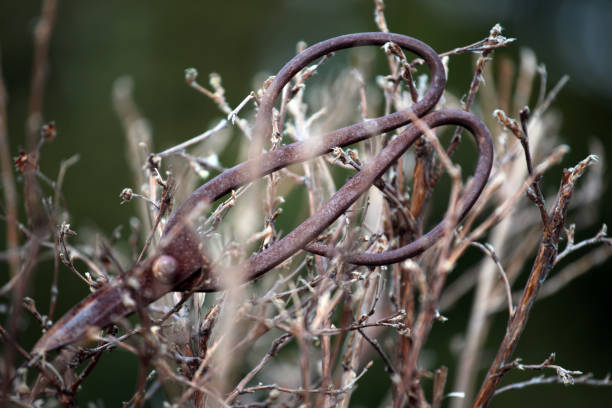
x,y
96,42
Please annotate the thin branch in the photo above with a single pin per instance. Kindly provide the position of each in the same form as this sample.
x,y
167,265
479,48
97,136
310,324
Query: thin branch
x,y
543,263
535,193
179,148
586,379
42,39
601,237
8,184
489,250
164,206
481,46
438,387
342,390
552,95
494,37
276,345
374,343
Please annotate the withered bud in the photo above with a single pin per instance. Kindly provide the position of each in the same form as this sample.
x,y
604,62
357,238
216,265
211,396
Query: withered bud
x,y
495,30
153,162
268,82
126,195
48,131
214,80
301,46
29,303
26,162
65,230
392,48
190,75
355,156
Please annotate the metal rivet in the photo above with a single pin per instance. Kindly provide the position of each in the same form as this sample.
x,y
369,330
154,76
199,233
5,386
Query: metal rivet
x,y
164,268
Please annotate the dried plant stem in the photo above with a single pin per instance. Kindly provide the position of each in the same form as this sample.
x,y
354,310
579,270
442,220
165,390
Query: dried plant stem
x,y
479,322
276,345
8,184
489,250
429,306
552,95
32,195
348,387
479,46
53,378
476,81
54,290
86,371
543,263
565,275
379,16
535,193
570,247
197,139
586,379
438,387
42,37
164,206
31,259
138,138
332,301
430,302
218,97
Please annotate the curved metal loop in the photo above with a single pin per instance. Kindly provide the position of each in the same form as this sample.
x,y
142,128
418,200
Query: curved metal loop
x,y
366,177
263,122
262,164
180,254
303,234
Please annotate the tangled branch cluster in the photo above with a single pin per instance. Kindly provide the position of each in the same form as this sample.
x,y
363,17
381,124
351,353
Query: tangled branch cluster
x,y
307,333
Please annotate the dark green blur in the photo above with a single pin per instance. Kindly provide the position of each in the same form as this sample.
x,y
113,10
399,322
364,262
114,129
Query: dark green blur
x,y
95,42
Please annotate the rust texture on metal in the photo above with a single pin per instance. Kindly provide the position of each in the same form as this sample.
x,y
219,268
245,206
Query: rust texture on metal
x,y
181,258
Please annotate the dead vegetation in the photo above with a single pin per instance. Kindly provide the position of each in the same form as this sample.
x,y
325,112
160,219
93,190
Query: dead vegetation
x,y
308,332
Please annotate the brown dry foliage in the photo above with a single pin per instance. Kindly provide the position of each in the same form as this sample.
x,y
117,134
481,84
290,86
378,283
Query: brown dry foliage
x,y
306,333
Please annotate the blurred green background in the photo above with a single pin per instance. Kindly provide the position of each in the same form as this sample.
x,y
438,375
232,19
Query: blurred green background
x,y
95,42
